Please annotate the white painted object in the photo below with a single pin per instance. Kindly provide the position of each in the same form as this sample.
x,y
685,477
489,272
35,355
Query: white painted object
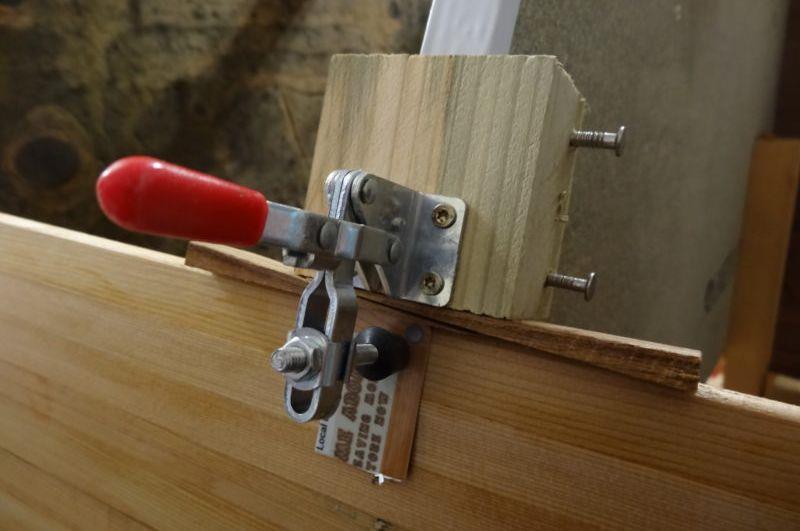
x,y
470,27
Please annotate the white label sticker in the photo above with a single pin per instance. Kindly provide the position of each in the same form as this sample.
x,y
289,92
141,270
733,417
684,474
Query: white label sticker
x,y
356,433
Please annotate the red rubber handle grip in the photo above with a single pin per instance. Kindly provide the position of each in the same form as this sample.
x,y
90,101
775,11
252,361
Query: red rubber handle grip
x,y
148,195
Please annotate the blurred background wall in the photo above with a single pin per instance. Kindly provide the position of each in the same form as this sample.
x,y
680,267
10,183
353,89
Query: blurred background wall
x,y
695,82
234,88
230,87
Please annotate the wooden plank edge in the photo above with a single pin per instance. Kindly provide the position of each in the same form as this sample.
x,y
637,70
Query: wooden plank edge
x,y
668,366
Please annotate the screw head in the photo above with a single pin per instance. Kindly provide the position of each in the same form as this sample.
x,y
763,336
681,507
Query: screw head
x,y
432,283
591,283
619,144
443,215
367,191
330,185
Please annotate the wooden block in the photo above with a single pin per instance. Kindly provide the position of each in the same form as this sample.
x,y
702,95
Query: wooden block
x,y
763,247
492,130
133,382
665,365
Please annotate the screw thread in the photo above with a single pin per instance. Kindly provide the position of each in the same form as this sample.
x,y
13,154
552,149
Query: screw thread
x,y
582,285
599,139
557,280
588,138
289,359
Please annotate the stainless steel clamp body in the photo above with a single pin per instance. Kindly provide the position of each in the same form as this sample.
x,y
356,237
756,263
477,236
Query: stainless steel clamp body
x,y
395,240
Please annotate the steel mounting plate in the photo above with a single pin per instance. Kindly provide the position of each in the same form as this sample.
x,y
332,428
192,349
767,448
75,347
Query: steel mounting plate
x,y
429,250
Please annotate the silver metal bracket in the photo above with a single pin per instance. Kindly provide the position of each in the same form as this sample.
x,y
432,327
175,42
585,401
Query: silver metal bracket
x,y
398,241
428,228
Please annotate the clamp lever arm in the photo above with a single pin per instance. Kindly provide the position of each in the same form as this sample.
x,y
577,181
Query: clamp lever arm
x,y
395,239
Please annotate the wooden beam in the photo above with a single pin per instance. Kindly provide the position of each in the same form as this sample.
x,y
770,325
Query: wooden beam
x,y
142,385
763,248
492,130
666,365
782,388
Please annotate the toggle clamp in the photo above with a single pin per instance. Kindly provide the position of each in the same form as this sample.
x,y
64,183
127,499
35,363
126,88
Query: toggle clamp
x,y
378,235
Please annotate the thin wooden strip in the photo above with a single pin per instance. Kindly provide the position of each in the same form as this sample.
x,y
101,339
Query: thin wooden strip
x,y
674,367
408,395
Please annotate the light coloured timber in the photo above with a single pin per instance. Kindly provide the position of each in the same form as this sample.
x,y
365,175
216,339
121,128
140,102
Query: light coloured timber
x,y
763,247
492,130
674,367
142,384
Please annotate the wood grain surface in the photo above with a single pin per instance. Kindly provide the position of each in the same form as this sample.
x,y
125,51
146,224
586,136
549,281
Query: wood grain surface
x,y
135,392
492,130
763,248
666,365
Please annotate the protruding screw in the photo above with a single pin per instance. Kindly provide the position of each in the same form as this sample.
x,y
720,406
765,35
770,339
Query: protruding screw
x,y
583,285
289,359
367,191
443,215
599,139
432,283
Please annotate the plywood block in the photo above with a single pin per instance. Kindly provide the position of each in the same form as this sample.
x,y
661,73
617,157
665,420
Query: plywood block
x,y
492,130
766,229
136,383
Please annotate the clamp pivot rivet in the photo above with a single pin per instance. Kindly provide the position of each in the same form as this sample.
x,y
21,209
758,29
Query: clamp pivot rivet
x,y
328,235
367,192
395,250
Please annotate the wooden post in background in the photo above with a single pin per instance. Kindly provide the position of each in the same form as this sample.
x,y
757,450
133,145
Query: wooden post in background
x,y
764,244
492,130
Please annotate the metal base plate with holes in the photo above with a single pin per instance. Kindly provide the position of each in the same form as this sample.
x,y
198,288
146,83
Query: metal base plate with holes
x,y
429,228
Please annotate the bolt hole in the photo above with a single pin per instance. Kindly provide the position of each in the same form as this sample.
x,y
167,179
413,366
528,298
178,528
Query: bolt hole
x,y
301,400
414,334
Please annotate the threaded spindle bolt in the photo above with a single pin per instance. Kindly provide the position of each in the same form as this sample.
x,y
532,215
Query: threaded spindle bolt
x,y
582,285
289,359
599,139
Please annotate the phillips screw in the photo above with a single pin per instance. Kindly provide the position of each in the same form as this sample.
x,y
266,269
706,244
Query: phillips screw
x,y
443,215
583,285
599,139
432,283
